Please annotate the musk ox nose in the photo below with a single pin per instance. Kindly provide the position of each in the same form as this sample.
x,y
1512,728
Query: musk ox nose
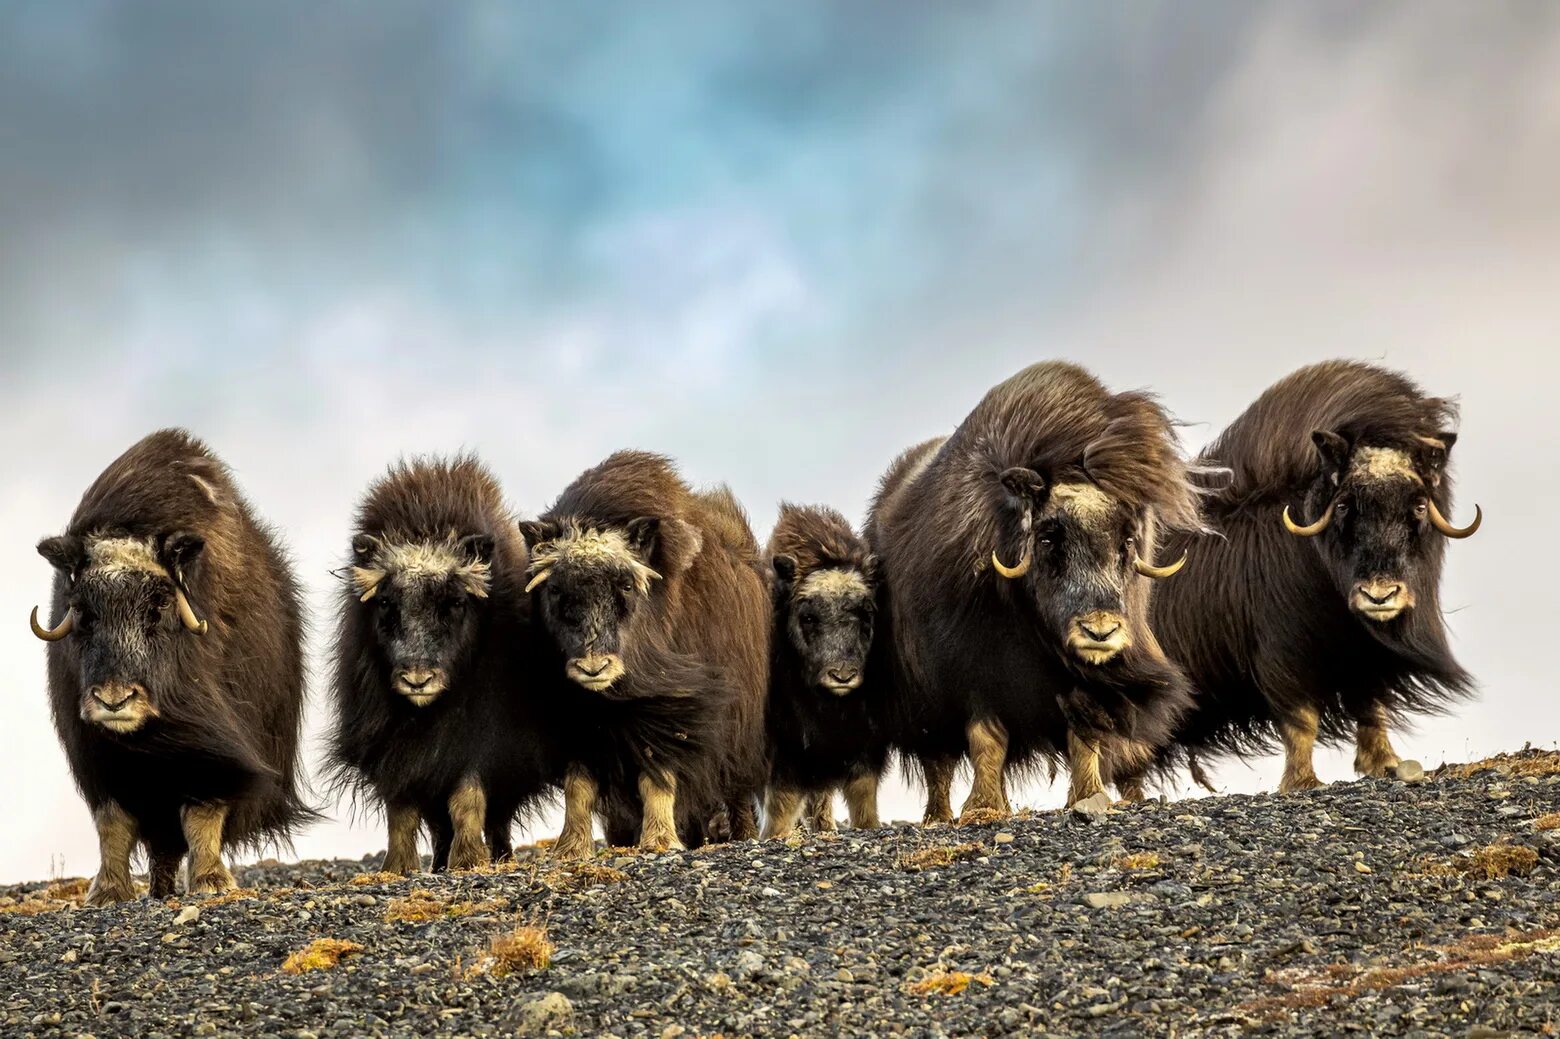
x,y
415,677
113,696
1380,594
843,675
592,667
1099,631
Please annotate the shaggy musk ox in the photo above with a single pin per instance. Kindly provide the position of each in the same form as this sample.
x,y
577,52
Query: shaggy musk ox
x,y
1051,656
433,714
825,717
1319,613
658,620
175,667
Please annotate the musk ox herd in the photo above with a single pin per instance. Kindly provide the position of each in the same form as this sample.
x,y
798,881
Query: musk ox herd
x,y
1052,584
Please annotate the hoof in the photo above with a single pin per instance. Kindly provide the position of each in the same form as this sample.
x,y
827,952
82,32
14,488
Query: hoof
x,y
402,866
659,844
106,892
468,857
573,849
213,882
1290,786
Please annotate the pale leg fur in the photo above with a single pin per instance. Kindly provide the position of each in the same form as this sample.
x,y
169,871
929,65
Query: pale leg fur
x,y
861,801
208,874
1298,734
1373,753
988,755
658,825
579,809
820,812
401,853
939,790
116,840
468,813
1083,765
782,809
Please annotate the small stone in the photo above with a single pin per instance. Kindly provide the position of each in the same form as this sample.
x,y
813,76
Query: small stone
x,y
748,963
844,975
1106,899
720,981
1360,867
537,1016
1003,838
672,1031
770,892
1093,808
1409,771
69,956
187,915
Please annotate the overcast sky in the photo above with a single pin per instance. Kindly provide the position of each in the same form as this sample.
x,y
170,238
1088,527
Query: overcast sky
x,y
778,242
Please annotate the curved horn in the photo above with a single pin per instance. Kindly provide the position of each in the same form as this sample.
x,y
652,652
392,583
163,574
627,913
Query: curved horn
x,y
55,634
1158,573
187,615
369,592
1441,523
1308,531
1011,572
541,575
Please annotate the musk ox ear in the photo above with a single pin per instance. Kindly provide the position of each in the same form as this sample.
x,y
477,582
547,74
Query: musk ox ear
x,y
785,568
181,552
869,570
66,553
643,534
364,546
536,532
1333,448
1024,485
477,547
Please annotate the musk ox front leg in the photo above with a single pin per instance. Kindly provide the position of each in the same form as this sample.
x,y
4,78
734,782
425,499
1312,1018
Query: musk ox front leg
x,y
208,874
1373,753
782,808
579,810
468,815
861,801
658,826
988,740
116,840
1083,764
401,852
820,811
1297,731
938,773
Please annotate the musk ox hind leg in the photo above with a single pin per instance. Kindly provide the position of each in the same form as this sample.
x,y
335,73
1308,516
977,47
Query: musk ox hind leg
x,y
579,810
208,874
163,872
116,840
861,801
820,811
782,808
658,826
744,819
988,801
938,773
1297,731
1083,764
468,816
1373,753
401,851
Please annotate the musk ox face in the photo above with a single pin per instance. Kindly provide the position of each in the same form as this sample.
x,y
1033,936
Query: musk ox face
x,y
591,585
1079,553
127,611
1379,527
829,616
427,600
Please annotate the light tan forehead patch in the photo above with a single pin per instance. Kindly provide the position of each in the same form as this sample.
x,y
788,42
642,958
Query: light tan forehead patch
x,y
833,583
1085,501
1382,463
590,547
124,555
424,559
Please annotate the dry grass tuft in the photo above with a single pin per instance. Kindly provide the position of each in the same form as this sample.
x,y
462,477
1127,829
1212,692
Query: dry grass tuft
x,y
980,817
1491,862
525,949
365,879
421,906
320,954
576,876
238,894
1547,822
948,982
1527,762
65,894
1139,860
939,855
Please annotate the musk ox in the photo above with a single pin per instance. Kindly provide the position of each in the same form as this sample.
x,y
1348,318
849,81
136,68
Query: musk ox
x,y
658,618
1318,614
175,667
826,722
1052,656
433,716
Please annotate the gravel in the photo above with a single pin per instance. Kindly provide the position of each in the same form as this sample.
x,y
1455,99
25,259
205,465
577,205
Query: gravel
x,y
1421,908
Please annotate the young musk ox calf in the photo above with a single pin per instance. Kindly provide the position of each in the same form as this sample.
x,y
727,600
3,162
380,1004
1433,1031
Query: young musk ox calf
x,y
1318,614
432,714
825,719
659,620
175,667
1052,656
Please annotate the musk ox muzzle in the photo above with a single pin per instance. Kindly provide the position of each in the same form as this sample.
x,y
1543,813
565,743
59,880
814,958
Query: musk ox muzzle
x,y
121,707
595,671
420,684
1098,636
1381,599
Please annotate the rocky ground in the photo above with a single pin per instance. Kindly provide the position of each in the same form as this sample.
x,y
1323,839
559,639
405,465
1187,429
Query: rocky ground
x,y
1378,907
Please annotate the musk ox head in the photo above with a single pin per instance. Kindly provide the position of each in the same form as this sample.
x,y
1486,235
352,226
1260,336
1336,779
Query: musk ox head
x,y
592,585
127,610
427,598
1077,547
1378,525
829,616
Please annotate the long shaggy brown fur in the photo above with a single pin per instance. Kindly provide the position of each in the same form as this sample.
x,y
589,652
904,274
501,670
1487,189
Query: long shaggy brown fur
x,y
966,644
230,701
1258,619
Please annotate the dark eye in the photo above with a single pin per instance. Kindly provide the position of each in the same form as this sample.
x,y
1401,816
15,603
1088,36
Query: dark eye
x,y
1421,510
161,600
1341,508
